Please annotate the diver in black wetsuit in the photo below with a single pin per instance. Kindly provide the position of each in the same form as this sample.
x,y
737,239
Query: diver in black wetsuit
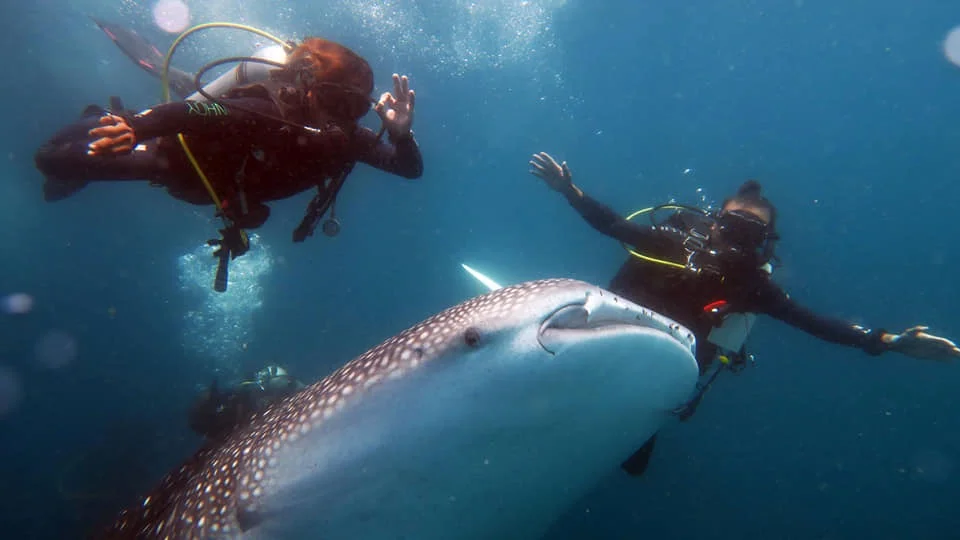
x,y
256,143
218,411
707,271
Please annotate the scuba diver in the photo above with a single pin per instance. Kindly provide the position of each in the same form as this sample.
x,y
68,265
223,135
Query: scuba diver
x,y
711,272
283,121
216,413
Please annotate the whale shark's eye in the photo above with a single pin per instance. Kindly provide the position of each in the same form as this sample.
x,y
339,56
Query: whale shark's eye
x,y
472,337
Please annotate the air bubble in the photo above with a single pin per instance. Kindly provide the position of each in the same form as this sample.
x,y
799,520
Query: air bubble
x,y
171,15
951,46
56,349
17,304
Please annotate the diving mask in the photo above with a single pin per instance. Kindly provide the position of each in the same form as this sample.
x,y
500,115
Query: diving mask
x,y
345,101
743,231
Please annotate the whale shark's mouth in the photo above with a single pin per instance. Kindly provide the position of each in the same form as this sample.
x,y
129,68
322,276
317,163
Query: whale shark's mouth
x,y
587,317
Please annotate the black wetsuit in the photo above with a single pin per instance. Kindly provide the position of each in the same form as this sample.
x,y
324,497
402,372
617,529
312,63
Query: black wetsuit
x,y
276,160
683,295
216,413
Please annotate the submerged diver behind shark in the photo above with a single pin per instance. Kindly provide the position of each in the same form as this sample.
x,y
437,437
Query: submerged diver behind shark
x,y
487,420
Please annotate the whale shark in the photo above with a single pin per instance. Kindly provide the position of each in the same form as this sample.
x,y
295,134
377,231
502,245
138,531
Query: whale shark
x,y
489,419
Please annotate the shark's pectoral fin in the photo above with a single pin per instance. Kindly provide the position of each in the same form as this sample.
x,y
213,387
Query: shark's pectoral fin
x,y
636,464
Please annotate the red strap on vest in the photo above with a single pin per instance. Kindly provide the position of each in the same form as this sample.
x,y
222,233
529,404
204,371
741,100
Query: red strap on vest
x,y
714,306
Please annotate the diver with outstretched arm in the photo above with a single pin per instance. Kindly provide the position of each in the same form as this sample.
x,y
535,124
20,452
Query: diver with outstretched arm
x,y
711,272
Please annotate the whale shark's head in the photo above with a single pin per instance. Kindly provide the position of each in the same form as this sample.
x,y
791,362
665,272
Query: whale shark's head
x,y
558,314
542,386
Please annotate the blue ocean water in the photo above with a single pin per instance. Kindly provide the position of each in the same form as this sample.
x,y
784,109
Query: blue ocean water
x,y
847,112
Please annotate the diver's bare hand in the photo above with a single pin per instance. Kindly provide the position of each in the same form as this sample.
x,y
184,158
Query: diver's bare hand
x,y
556,175
115,137
396,109
916,342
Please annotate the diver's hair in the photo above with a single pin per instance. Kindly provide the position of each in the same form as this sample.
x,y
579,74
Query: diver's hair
x,y
749,194
331,62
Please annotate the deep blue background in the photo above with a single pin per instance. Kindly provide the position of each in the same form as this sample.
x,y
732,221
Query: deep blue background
x,y
847,112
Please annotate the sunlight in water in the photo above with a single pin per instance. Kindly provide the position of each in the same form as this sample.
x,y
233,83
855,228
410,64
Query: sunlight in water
x,y
220,326
171,15
483,34
452,37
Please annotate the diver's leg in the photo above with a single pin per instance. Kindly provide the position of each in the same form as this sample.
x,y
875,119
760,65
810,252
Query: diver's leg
x,y
147,56
67,167
637,464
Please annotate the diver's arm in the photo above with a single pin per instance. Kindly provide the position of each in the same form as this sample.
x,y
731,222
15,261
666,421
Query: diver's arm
x,y
598,215
602,218
189,117
778,304
400,156
118,135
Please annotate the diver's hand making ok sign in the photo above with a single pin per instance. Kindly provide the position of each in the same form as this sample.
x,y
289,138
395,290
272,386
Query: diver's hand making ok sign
x,y
396,110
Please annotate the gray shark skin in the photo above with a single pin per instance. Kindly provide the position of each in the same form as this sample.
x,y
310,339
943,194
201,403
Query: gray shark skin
x,y
487,420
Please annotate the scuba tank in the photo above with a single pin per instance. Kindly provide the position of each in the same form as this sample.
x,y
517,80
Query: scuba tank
x,y
732,332
245,72
734,328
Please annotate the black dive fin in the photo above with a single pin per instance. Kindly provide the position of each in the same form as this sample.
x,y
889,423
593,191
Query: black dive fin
x,y
56,189
181,83
147,56
92,110
636,464
116,105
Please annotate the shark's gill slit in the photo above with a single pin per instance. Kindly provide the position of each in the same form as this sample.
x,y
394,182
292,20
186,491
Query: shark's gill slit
x,y
573,316
570,316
